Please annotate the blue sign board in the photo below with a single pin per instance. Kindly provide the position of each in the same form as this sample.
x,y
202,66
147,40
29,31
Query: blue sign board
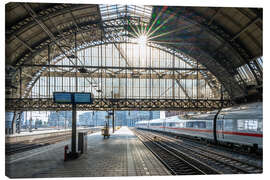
x,y
82,98
62,97
72,98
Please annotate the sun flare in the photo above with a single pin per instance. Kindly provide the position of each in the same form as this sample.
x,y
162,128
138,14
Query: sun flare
x,y
142,40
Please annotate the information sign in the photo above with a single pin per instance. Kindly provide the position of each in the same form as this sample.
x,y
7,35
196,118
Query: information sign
x,y
82,98
62,97
72,98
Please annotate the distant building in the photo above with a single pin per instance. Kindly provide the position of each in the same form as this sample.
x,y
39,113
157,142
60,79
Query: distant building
x,y
8,119
99,117
155,114
86,119
174,113
134,116
60,119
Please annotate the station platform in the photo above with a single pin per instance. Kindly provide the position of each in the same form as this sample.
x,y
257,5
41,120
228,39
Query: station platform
x,y
42,133
123,154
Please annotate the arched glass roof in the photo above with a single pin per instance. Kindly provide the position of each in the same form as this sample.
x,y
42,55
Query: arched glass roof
x,y
125,70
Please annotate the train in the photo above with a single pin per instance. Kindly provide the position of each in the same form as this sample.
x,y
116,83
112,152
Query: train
x,y
238,125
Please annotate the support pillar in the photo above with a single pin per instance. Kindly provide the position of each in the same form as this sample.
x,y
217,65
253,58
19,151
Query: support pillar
x,y
73,138
30,123
113,121
13,123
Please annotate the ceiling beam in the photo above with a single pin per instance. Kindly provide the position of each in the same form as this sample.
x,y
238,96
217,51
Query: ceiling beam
x,y
44,28
213,17
24,43
125,75
245,28
115,67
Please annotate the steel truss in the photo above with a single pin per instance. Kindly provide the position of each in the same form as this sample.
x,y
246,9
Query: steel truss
x,y
229,41
47,104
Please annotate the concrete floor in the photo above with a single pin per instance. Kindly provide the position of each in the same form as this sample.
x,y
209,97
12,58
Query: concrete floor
x,y
120,155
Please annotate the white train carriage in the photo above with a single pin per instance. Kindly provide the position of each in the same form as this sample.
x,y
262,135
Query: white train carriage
x,y
241,125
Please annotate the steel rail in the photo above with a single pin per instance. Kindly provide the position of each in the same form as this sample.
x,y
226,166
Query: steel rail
x,y
196,167
236,165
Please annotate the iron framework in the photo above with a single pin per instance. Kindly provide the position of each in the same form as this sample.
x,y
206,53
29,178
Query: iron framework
x,y
47,104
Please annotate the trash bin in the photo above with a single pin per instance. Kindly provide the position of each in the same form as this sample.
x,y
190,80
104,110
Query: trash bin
x,y
82,142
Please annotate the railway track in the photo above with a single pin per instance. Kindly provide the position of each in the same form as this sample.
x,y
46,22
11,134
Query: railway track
x,y
177,162
26,146
17,148
217,161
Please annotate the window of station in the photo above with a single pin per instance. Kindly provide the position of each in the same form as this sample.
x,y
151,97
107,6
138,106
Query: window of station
x,y
119,83
246,73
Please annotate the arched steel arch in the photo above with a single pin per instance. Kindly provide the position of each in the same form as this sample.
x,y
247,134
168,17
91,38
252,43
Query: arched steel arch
x,y
84,28
95,23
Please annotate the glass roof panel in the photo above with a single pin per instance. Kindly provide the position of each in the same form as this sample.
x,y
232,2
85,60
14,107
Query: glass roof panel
x,y
112,11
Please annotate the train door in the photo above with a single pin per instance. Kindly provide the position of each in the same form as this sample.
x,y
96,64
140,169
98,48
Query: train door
x,y
223,125
220,126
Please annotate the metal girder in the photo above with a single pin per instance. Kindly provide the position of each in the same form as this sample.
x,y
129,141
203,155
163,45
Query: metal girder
x,y
45,14
171,51
46,104
259,74
245,28
125,75
117,67
193,17
45,29
182,88
221,73
245,56
213,17
101,42
16,122
158,75
92,25
85,26
24,43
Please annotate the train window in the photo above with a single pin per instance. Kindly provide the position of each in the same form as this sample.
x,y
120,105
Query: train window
x,y
195,124
189,124
181,124
202,125
260,126
219,125
171,124
156,124
199,124
228,125
250,125
240,124
209,124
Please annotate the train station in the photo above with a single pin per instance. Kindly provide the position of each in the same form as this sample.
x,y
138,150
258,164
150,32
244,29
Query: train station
x,y
105,90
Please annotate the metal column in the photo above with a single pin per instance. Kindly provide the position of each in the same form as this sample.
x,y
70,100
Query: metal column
x,y
73,139
113,121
